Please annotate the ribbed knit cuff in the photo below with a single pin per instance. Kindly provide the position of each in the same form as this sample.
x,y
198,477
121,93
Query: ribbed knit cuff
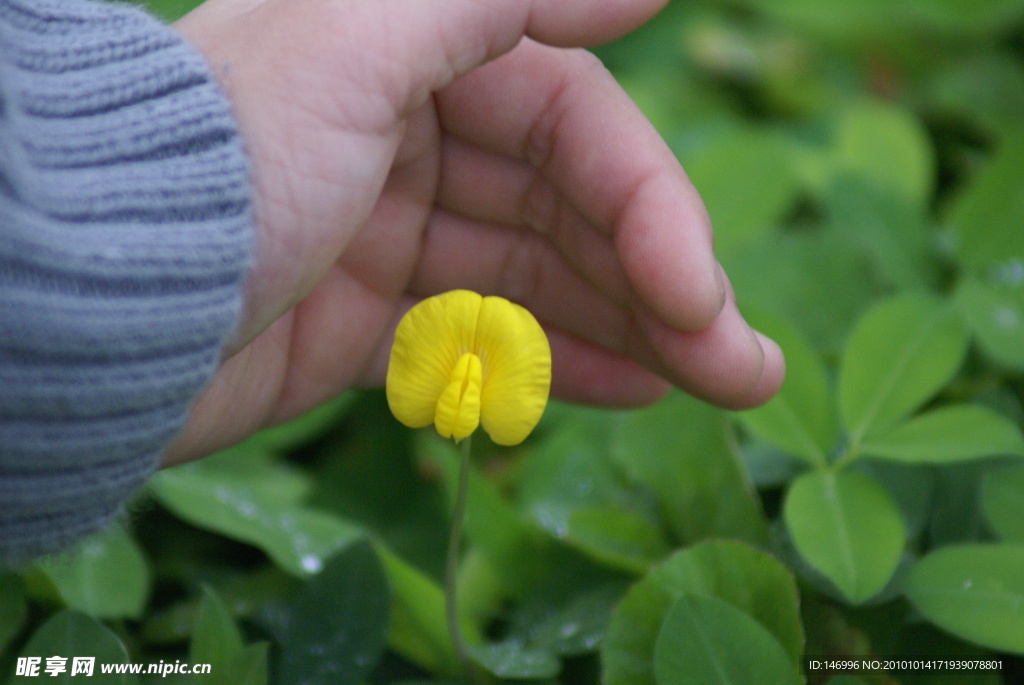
x,y
125,232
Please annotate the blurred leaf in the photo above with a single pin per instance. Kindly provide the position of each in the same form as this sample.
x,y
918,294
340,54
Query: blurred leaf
x,y
170,10
570,628
899,355
951,433
747,181
297,539
956,511
881,20
911,487
1002,500
988,88
888,148
69,634
707,641
105,575
371,476
994,310
617,538
215,638
250,667
682,451
801,418
975,591
786,276
987,215
848,528
338,622
512,660
13,607
570,468
750,580
519,551
887,227
418,629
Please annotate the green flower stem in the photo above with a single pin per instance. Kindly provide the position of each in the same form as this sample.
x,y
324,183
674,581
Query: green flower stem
x,y
452,564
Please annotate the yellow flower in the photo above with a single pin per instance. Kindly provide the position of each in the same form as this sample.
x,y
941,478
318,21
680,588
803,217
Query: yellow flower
x,y
460,360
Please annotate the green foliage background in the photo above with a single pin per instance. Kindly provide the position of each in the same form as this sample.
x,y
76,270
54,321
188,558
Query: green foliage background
x,y
863,164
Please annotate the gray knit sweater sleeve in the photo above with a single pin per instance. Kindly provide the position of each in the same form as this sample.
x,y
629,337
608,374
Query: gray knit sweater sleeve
x,y
124,235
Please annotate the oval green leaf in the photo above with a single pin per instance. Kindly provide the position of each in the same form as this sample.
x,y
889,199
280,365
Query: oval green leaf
x,y
848,528
513,660
298,539
105,575
974,591
900,354
1002,500
987,215
216,639
949,434
72,634
616,538
750,580
707,641
994,311
801,418
338,623
888,147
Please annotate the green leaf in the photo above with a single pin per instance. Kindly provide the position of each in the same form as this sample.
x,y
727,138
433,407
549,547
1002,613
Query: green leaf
x,y
215,638
72,634
617,538
987,215
1002,500
750,580
887,146
785,276
801,418
707,641
250,667
951,433
418,629
889,228
512,660
518,549
338,623
681,449
747,180
298,539
994,310
13,607
974,591
848,528
571,627
105,575
899,355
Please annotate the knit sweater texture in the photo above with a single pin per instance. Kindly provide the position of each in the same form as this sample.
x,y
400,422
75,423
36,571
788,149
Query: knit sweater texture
x,y
125,233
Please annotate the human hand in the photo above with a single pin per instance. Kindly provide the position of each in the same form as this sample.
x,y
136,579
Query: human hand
x,y
390,165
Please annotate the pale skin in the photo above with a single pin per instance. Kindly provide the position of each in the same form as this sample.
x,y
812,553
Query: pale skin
x,y
402,148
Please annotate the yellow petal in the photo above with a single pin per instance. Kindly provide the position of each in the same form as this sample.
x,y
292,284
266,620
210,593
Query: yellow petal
x,y
516,361
458,408
429,341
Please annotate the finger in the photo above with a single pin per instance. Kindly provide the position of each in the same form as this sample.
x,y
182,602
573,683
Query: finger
x,y
563,113
727,363
496,188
